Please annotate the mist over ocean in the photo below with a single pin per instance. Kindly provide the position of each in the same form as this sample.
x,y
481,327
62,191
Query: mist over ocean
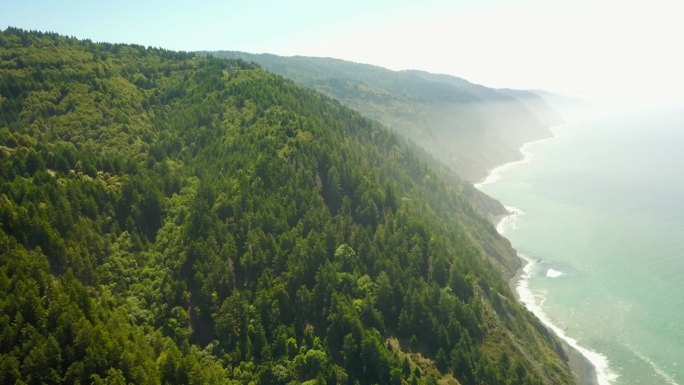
x,y
602,219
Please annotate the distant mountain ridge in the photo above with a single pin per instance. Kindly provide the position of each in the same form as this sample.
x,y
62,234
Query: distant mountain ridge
x,y
469,127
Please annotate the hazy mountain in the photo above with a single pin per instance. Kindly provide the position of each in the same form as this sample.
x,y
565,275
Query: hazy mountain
x,y
467,126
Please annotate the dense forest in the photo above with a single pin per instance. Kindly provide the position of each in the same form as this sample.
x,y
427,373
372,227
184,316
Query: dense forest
x,y
468,127
172,219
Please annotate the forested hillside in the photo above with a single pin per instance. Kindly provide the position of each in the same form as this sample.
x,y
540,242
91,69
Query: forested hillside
x,y
172,219
469,127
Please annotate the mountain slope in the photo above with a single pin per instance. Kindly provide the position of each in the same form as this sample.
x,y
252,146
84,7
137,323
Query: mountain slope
x,y
173,219
469,127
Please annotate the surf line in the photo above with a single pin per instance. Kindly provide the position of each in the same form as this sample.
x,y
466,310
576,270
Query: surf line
x,y
605,376
494,174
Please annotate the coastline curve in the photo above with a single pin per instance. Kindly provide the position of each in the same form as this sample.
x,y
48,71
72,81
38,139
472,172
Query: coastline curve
x,y
600,367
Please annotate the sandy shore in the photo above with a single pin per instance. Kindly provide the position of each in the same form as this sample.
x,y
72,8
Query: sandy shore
x,y
581,367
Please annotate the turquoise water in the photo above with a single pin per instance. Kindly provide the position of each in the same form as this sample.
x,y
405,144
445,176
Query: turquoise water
x,y
602,220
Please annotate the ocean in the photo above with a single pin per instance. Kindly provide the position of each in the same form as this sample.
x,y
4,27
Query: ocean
x,y
599,216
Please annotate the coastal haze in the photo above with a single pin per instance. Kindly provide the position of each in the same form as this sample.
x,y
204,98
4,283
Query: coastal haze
x,y
616,52
468,127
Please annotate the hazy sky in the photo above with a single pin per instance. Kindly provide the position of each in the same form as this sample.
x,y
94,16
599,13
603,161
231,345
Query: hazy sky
x,y
625,50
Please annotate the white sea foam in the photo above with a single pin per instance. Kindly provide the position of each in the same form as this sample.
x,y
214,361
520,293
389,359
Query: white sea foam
x,y
605,375
551,273
510,221
534,303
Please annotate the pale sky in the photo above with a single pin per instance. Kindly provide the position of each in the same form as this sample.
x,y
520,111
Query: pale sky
x,y
627,51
